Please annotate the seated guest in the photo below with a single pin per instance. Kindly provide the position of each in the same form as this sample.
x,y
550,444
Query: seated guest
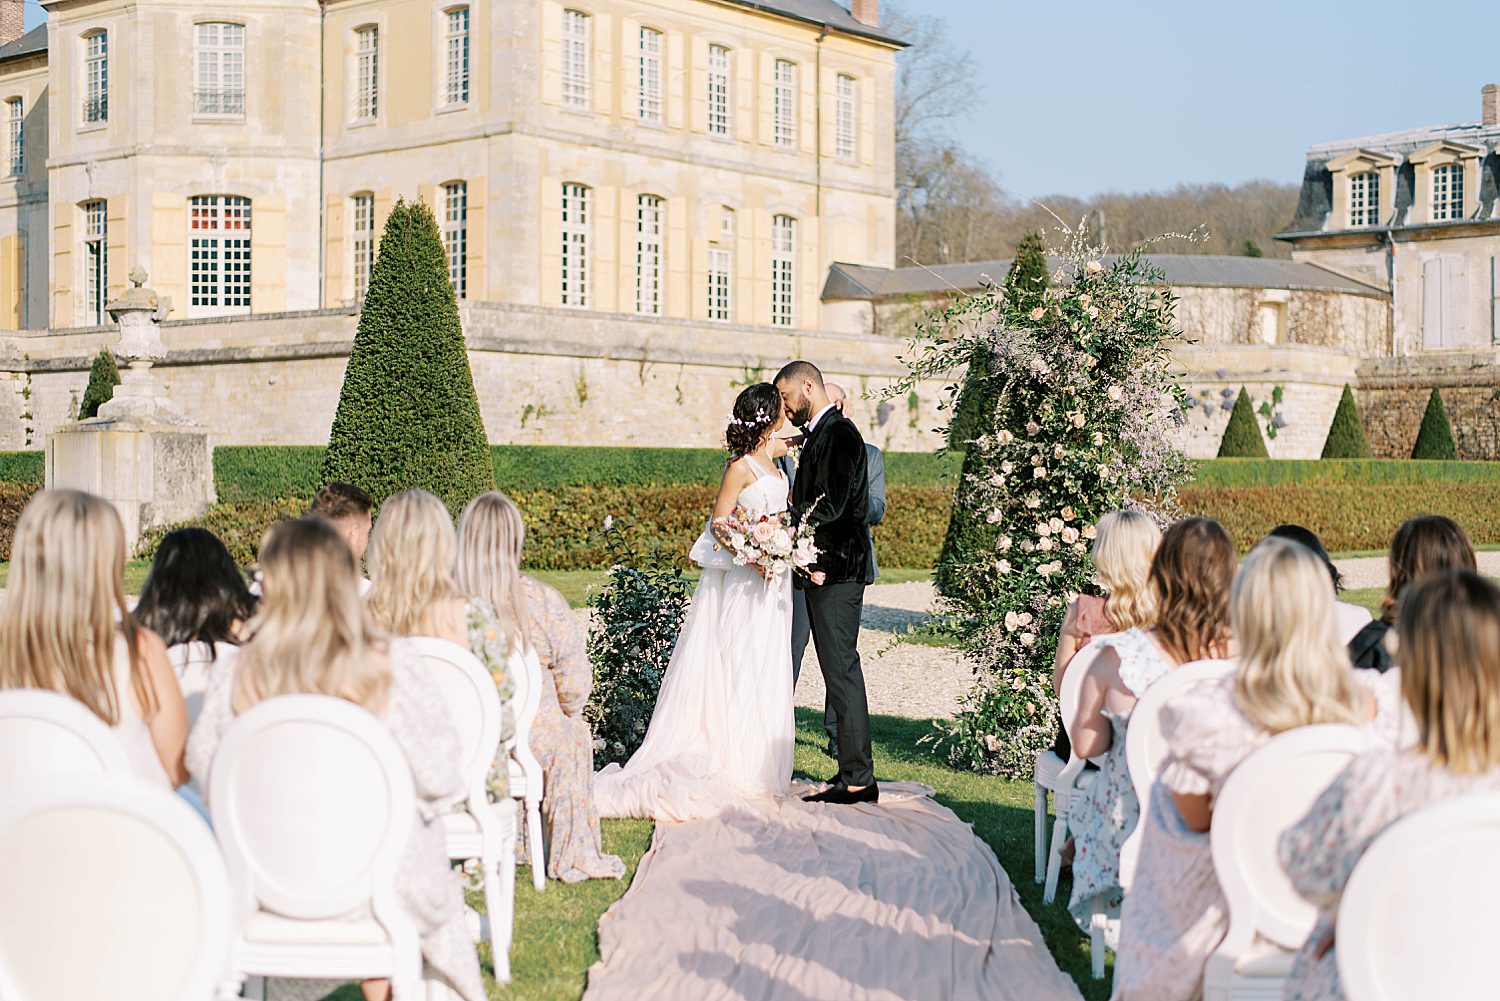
x,y
65,627
313,635
1190,575
490,539
1349,619
197,601
414,593
348,508
1293,671
1423,545
1449,626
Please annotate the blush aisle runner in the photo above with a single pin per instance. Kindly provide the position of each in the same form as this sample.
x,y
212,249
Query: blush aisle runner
x,y
803,902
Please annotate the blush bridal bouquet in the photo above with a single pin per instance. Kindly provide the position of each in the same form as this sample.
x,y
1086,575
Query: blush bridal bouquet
x,y
774,544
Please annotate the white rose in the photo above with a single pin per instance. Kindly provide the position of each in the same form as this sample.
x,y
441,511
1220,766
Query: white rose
x,y
1067,514
1085,299
992,742
1005,437
1007,467
1090,532
1057,451
994,517
1032,427
1079,547
1093,312
1012,621
1027,639
1025,618
1045,545
996,480
1077,419
1098,439
1103,472
1034,501
1004,543
1036,460
1028,546
1038,313
1114,393
1070,535
1089,361
1093,267
1055,524
1038,363
1039,473
1042,528
1002,566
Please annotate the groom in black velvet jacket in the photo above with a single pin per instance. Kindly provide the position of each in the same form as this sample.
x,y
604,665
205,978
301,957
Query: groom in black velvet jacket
x,y
832,489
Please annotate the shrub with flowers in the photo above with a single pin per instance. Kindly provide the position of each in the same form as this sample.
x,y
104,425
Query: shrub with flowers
x,y
638,612
1082,417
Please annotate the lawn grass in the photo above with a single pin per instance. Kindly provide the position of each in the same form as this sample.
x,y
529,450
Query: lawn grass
x,y
575,584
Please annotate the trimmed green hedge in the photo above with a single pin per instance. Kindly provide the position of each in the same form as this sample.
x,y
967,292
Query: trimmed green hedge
x,y
22,468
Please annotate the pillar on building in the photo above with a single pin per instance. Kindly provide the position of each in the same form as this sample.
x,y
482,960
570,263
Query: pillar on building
x,y
140,453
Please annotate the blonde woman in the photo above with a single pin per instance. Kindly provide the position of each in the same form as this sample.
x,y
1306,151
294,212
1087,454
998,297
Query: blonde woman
x,y
411,561
1121,555
1293,671
1449,626
64,626
312,634
490,540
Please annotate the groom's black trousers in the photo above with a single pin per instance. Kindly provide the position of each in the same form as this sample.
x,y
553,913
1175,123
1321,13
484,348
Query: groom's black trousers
x,y
833,611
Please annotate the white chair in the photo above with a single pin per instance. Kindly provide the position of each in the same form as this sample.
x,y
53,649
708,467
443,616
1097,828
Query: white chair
x,y
480,829
1417,917
44,733
312,804
1270,791
525,770
113,889
1064,779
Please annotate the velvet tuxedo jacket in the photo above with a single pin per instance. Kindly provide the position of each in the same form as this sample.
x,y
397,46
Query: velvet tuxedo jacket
x,y
832,483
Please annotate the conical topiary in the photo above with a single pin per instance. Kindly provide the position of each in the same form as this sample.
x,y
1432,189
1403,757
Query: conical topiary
x,y
1435,437
1346,435
104,376
408,415
1026,282
1242,438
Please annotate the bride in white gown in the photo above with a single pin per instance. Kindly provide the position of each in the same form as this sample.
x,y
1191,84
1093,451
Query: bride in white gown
x,y
722,731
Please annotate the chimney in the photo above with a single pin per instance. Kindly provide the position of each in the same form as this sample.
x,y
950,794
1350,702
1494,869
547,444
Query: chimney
x,y
864,11
12,20
1489,99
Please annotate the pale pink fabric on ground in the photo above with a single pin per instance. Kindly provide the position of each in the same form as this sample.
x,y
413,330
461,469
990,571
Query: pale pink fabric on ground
x,y
802,902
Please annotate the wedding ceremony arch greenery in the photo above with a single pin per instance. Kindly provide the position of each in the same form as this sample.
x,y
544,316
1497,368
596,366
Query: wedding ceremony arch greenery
x,y
1082,423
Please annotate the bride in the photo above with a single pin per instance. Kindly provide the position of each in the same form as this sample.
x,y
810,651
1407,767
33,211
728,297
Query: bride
x,y
722,730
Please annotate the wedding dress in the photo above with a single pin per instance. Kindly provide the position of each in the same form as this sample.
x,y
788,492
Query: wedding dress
x,y
722,731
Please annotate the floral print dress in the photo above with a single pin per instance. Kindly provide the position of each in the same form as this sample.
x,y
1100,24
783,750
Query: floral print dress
x,y
488,642
1106,814
561,741
1320,852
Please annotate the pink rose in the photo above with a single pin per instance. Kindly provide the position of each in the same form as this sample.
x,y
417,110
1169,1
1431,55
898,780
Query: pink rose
x,y
763,532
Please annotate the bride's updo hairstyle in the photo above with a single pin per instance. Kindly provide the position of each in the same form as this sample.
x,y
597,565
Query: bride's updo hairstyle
x,y
755,413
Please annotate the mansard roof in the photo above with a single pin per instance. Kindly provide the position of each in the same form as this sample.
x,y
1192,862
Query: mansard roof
x,y
1316,199
29,44
825,13
856,281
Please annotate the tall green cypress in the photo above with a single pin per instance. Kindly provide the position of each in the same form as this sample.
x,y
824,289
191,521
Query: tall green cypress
x,y
1026,282
408,415
1346,435
1242,438
1435,437
104,376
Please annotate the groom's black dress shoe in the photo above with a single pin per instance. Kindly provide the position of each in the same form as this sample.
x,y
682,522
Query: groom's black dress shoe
x,y
842,796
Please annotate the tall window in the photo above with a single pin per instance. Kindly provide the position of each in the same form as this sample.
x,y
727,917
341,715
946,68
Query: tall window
x,y
648,218
783,271
786,103
15,119
456,235
576,86
1364,199
456,89
366,72
651,98
846,125
1448,191
364,242
721,268
219,253
221,69
96,78
575,245
95,264
718,90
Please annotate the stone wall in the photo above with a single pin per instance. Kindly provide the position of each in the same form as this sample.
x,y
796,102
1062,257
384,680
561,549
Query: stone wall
x,y
1393,396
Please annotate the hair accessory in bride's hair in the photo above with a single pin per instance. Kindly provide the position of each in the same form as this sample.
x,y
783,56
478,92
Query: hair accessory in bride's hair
x,y
761,418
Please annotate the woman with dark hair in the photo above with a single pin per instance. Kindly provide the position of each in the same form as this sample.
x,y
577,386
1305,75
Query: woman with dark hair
x,y
1348,619
722,730
196,600
1424,545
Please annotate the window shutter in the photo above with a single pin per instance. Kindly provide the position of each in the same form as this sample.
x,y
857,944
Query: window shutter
x,y
1455,301
268,262
1432,303
1494,300
336,291
478,243
116,252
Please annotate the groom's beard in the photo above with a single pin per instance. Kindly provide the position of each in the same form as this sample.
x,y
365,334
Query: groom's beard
x,y
802,416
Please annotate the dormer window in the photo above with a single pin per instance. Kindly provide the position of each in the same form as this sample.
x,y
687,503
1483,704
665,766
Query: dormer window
x,y
1447,192
1364,199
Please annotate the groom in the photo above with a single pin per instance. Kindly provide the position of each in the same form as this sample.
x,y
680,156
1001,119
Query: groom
x,y
832,489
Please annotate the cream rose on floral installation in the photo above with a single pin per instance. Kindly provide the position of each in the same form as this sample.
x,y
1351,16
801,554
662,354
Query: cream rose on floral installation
x,y
1084,398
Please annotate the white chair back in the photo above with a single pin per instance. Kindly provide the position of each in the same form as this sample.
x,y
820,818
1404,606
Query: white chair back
x,y
1071,688
44,733
1270,791
1415,920
1146,746
526,695
469,692
312,802
113,889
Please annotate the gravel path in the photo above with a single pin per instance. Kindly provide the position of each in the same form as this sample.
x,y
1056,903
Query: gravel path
x,y
1370,571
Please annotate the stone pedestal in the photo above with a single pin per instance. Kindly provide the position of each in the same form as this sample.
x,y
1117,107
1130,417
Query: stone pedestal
x,y
140,453
155,472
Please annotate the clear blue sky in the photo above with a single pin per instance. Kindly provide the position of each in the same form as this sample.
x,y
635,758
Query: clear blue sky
x,y
1102,95
1084,97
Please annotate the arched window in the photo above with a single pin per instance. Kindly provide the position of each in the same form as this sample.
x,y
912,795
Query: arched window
x,y
221,69
575,244
362,207
1448,192
720,106
219,254
577,87
651,75
1364,199
95,77
783,271
650,213
456,56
